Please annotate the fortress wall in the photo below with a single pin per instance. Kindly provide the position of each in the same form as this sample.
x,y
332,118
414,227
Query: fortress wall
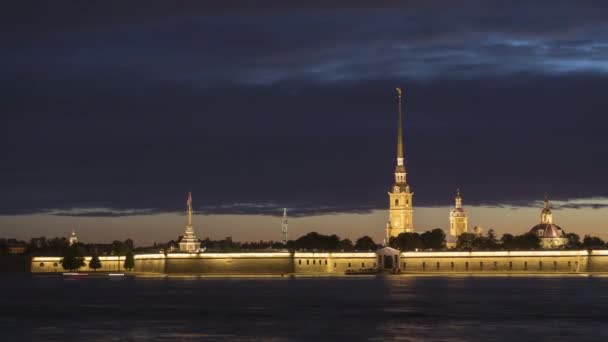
x,y
150,263
337,263
230,263
598,261
332,262
498,262
53,264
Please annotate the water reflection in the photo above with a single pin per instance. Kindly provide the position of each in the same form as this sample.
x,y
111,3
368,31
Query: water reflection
x,y
285,309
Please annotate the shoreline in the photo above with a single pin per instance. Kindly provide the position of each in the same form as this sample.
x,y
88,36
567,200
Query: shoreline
x,y
114,275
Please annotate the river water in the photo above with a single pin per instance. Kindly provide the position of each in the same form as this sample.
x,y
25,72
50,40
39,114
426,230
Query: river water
x,y
358,308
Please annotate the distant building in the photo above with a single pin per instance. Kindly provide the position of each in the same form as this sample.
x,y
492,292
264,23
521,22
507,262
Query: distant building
x,y
73,238
551,235
459,221
401,211
16,248
189,243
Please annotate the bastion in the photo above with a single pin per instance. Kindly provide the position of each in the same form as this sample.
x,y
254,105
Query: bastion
x,y
504,262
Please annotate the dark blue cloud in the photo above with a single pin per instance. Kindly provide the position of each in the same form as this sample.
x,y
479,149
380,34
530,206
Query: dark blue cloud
x,y
126,108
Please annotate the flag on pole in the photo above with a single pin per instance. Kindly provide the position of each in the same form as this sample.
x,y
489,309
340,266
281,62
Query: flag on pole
x,y
189,201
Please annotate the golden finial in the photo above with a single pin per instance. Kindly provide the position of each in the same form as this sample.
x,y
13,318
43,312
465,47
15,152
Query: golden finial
x,y
399,92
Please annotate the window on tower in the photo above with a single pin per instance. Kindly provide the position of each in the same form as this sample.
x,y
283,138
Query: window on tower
x,y
397,201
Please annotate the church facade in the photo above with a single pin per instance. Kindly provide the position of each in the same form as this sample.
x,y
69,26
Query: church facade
x,y
551,236
401,210
459,220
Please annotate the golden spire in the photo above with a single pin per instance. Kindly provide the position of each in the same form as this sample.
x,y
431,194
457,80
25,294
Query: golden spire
x,y
189,204
545,215
399,128
458,199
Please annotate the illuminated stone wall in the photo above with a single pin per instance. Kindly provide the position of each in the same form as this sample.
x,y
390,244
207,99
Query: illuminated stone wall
x,y
53,264
336,263
229,263
150,263
497,262
598,261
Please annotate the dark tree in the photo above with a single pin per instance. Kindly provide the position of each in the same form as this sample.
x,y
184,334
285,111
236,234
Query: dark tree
x,y
316,241
72,258
406,242
119,248
527,241
365,243
507,242
488,243
57,246
434,239
128,245
37,244
291,245
129,261
277,245
95,264
591,242
492,236
574,241
466,241
346,245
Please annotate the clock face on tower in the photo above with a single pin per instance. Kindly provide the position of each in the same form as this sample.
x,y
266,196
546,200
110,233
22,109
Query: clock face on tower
x,y
396,189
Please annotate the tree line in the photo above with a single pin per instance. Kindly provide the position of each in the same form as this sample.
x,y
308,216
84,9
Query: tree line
x,y
73,256
436,240
314,241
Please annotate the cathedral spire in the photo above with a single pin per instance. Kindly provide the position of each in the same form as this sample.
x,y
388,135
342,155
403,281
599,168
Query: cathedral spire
x,y
189,204
401,212
400,167
399,127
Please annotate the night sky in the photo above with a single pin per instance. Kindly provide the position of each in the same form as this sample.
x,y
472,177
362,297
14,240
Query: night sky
x,y
112,111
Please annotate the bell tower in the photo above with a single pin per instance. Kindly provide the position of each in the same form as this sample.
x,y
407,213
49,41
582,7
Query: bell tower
x,y
459,221
401,211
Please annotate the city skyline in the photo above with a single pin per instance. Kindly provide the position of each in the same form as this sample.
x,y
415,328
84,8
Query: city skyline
x,y
161,228
127,113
